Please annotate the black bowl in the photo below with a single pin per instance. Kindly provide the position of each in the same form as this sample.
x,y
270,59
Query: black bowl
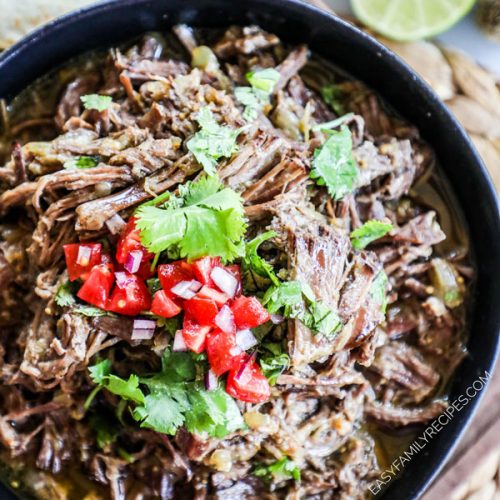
x,y
114,21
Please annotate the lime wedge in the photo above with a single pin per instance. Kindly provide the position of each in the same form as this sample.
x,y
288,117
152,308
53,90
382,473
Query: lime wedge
x,y
406,20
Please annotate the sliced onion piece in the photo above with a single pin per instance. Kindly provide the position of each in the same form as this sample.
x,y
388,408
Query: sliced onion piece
x,y
133,261
248,360
84,254
122,279
245,339
143,329
276,319
186,289
211,381
115,224
225,320
225,281
179,344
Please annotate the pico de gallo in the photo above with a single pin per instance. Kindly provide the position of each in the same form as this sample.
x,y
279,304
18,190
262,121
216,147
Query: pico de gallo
x,y
217,316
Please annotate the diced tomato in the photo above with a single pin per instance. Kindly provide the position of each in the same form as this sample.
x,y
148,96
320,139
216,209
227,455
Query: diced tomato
x,y
210,293
194,335
203,267
132,298
222,351
144,271
97,286
248,313
202,310
81,258
163,306
173,273
130,241
246,382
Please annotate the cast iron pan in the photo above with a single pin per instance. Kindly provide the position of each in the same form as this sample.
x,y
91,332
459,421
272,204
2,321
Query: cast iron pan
x,y
111,22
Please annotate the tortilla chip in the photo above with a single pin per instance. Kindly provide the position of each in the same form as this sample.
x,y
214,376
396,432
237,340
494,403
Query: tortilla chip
x,y
19,17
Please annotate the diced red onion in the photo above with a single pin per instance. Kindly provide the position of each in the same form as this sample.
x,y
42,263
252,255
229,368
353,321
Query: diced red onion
x,y
225,281
186,289
225,320
143,329
122,279
276,319
115,224
133,261
179,344
144,324
211,381
84,254
249,360
245,339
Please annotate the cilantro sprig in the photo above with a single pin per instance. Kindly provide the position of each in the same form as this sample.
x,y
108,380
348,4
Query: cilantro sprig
x,y
378,290
173,398
253,262
204,219
281,470
96,101
273,361
333,164
212,142
370,231
81,162
262,84
296,300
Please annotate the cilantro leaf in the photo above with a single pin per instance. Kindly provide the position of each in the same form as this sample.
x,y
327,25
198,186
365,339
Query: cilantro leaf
x,y
163,410
296,300
81,162
281,470
370,231
378,290
253,262
95,101
175,398
106,433
64,295
257,95
286,296
273,361
264,79
333,164
212,141
90,311
100,371
206,219
126,389
333,95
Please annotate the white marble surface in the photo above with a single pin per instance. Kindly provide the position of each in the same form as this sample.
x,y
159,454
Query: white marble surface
x,y
465,35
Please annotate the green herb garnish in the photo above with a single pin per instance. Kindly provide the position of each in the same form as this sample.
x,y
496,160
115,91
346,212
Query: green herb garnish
x,y
281,470
212,142
334,166
204,219
173,398
297,301
262,84
253,262
370,231
81,162
378,290
97,102
273,361
333,95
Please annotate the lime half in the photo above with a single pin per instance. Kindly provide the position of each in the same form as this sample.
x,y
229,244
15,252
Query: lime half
x,y
410,19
